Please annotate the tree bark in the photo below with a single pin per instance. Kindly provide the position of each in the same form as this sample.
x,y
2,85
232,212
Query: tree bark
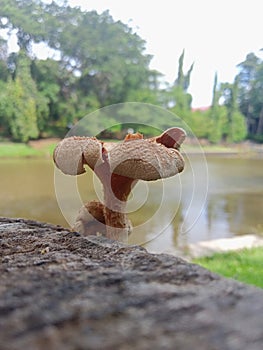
x,y
62,291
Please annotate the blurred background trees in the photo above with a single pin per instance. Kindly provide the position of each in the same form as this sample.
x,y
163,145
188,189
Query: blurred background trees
x,y
250,94
69,63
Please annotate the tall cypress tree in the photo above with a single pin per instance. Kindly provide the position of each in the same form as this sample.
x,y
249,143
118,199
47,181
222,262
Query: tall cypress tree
x,y
182,99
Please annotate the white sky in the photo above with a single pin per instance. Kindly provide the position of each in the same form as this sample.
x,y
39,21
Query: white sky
x,y
216,35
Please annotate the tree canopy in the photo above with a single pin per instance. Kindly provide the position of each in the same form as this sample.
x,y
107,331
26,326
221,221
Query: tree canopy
x,y
92,61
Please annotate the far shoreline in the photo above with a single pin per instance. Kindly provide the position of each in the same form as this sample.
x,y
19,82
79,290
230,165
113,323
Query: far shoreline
x,y
44,148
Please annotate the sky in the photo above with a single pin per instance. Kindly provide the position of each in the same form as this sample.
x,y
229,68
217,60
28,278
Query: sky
x,y
216,35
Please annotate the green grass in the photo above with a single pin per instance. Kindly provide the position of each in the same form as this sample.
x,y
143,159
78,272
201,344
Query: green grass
x,y
245,265
15,150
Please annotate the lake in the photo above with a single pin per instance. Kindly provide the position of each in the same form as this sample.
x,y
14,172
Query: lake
x,y
214,197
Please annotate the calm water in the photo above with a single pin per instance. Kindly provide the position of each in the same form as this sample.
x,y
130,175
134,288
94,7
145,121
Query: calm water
x,y
216,198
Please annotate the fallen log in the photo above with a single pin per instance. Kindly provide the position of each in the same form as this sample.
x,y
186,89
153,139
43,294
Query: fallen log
x,y
60,290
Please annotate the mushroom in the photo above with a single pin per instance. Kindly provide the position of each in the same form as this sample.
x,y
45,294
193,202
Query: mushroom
x,y
118,166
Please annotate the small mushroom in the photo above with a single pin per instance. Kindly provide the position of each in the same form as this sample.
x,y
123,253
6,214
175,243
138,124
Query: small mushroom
x,y
118,167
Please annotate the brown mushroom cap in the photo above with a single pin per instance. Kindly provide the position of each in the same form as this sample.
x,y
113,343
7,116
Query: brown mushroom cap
x,y
145,160
172,138
72,153
135,158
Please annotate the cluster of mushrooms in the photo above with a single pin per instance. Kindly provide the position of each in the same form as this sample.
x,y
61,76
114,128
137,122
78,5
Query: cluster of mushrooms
x,y
119,166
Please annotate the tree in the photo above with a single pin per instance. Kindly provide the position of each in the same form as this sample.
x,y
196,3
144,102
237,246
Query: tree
x,y
3,60
25,17
107,56
183,80
235,130
55,85
225,120
179,97
257,98
22,105
250,94
217,115
99,61
20,112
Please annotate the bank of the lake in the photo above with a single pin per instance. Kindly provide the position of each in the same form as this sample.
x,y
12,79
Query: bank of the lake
x,y
45,147
34,149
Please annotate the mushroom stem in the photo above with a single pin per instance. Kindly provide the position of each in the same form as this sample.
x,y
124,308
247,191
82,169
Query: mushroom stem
x,y
90,219
116,192
115,200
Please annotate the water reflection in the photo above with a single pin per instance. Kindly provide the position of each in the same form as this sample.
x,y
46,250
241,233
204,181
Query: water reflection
x,y
247,209
167,215
27,190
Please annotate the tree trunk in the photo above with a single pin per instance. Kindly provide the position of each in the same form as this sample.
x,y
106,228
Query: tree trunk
x,y
260,123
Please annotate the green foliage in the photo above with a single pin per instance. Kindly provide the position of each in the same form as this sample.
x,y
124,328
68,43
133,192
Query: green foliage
x,y
20,111
182,100
245,265
199,123
37,102
178,97
225,122
3,71
238,127
250,94
217,124
53,85
22,106
142,95
183,80
94,62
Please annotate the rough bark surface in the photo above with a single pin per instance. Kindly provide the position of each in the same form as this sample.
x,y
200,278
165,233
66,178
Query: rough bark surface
x,y
59,290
